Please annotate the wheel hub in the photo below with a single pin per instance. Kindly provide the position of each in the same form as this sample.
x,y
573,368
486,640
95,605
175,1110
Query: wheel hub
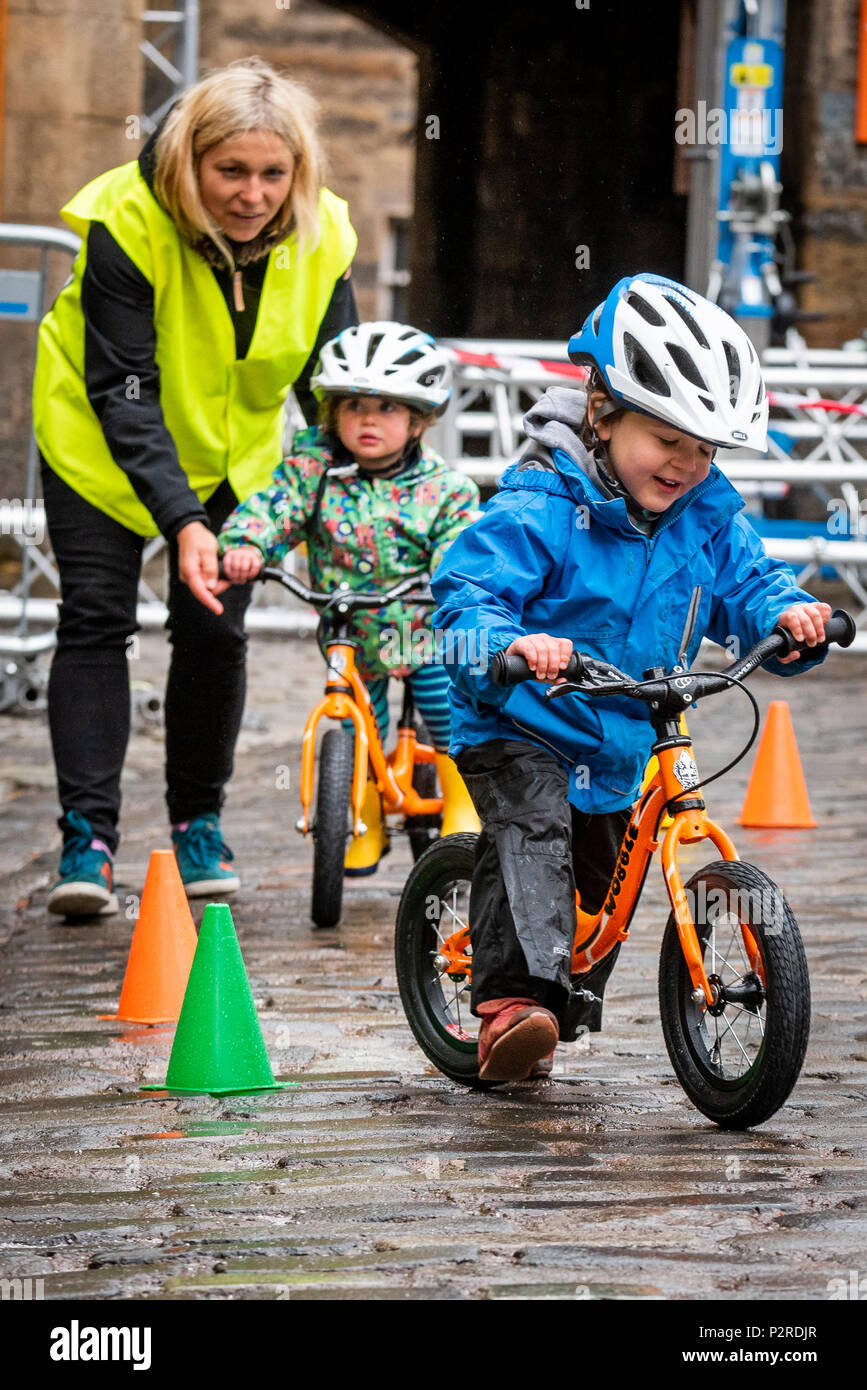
x,y
441,965
749,994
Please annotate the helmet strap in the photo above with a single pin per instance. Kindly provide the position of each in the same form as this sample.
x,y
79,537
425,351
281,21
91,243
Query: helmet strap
x,y
608,407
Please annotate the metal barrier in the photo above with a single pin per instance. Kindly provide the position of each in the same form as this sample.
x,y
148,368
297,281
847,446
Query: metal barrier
x,y
22,683
497,382
813,445
22,300
269,618
481,433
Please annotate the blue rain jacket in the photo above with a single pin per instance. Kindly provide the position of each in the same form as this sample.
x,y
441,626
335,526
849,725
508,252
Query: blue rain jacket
x,y
551,554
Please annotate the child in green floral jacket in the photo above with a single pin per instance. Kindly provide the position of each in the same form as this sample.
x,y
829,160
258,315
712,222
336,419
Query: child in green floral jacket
x,y
374,505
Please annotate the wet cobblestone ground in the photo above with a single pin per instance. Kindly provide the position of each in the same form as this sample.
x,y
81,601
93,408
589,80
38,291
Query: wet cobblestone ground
x,y
378,1178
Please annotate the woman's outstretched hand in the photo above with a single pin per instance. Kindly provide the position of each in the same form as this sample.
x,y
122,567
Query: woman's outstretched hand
x,y
198,564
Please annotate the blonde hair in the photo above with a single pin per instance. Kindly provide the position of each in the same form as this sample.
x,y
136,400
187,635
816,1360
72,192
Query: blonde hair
x,y
247,95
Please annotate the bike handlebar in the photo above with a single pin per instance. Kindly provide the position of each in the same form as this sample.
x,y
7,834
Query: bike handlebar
x,y
587,675
346,600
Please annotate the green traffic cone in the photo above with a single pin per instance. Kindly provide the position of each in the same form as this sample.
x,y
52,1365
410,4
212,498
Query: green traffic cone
x,y
218,1048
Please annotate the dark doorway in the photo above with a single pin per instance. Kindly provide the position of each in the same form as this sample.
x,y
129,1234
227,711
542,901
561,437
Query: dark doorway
x,y
545,158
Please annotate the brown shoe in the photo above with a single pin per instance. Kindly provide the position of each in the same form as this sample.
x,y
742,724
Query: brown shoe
x,y
515,1039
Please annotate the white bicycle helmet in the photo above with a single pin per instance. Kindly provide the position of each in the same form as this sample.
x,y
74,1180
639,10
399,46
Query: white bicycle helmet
x,y
385,359
667,352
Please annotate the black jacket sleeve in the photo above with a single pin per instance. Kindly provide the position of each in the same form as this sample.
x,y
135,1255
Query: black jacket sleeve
x,y
341,313
123,382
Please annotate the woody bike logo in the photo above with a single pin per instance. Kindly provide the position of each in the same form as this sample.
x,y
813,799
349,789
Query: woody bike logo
x,y
619,878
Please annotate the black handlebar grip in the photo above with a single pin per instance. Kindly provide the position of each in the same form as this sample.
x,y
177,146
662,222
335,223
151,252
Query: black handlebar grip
x,y
512,670
839,628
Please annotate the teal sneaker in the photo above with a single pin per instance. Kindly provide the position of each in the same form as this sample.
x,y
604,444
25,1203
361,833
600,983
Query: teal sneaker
x,y
203,858
84,888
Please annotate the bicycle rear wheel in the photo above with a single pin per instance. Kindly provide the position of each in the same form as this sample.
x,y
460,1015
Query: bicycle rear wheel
x,y
434,905
738,1060
331,826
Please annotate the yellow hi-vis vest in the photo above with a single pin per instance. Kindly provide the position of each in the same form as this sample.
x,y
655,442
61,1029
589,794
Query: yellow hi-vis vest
x,y
224,414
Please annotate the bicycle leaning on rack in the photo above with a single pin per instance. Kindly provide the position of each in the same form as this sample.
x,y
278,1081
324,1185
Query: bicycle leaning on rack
x,y
734,993
405,777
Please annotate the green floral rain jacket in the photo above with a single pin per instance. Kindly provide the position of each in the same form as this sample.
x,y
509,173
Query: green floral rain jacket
x,y
370,532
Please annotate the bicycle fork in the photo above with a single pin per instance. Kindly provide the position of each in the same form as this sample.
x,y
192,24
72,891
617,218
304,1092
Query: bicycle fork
x,y
346,697
677,775
343,691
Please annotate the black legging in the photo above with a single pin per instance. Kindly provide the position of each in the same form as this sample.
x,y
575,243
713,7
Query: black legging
x,y
89,688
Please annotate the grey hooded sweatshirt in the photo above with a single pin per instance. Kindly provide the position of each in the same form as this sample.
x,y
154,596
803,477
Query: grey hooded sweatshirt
x,y
553,423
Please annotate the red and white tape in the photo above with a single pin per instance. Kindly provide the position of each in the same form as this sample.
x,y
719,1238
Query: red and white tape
x,y
514,365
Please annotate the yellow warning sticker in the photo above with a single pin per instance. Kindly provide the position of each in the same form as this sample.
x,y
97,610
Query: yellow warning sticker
x,y
751,74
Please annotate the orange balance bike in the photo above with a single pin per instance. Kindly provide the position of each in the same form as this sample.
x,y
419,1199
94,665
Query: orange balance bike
x,y
405,777
734,993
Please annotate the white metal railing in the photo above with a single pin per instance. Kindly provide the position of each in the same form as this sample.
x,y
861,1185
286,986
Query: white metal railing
x,y
497,382
481,433
748,479
294,622
23,295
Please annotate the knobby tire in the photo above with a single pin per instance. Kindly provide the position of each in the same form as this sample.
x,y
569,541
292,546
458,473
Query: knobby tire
x,y
775,1052
331,826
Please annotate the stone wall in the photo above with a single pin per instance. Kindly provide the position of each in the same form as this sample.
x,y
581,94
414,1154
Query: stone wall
x,y
831,225
545,143
366,86
73,75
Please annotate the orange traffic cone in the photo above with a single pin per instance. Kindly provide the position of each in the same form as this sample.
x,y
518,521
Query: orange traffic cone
x,y
777,793
162,949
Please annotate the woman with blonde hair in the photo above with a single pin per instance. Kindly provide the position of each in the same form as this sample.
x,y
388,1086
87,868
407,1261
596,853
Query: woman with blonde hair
x,y
212,270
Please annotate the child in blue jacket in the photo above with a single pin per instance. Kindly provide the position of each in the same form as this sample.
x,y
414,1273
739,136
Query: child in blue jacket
x,y
596,538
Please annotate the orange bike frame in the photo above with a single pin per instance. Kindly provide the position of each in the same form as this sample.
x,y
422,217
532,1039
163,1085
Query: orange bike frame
x,y
596,934
346,697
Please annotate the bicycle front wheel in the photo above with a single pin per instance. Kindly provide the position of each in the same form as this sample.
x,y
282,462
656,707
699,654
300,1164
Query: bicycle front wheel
x,y
434,905
331,826
739,1059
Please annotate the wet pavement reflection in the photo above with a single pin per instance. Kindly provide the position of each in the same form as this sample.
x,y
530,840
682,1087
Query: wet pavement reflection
x,y
377,1177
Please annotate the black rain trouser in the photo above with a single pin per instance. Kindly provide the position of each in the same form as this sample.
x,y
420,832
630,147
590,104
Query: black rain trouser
x,y
89,687
533,849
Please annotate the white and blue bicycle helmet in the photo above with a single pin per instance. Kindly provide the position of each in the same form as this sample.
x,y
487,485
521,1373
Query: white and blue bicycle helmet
x,y
665,351
386,359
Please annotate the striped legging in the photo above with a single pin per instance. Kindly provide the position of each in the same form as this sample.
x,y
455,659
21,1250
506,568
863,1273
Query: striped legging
x,y
429,685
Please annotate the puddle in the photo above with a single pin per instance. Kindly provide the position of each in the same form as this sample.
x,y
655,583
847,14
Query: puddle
x,y
147,1033
54,1042
206,1130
